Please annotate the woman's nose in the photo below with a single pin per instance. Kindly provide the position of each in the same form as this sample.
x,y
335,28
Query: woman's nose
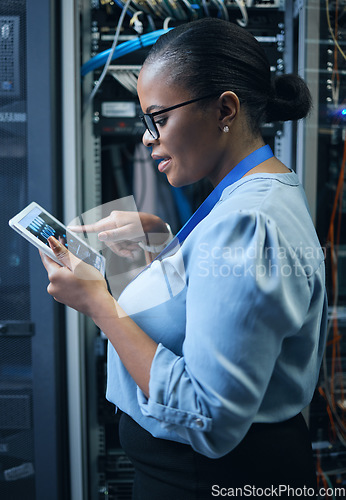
x,y
148,139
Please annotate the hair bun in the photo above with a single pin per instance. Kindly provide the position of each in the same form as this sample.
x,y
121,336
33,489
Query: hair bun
x,y
290,99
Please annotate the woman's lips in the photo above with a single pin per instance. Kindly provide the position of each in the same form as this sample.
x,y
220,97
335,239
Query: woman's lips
x,y
162,166
163,161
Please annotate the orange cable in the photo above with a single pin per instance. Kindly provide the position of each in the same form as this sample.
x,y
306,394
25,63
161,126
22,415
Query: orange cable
x,y
330,415
330,239
337,193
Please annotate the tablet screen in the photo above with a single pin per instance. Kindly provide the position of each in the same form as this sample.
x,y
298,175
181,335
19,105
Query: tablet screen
x,y
41,225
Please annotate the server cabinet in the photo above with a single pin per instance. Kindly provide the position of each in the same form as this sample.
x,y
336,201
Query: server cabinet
x,y
114,165
321,60
101,157
32,388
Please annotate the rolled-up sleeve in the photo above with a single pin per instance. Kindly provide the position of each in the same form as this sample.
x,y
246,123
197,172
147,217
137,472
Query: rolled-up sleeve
x,y
246,293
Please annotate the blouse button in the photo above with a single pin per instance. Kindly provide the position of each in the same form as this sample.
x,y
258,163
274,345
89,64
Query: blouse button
x,y
199,422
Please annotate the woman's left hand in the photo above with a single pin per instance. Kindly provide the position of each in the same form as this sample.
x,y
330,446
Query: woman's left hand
x,y
83,288
75,283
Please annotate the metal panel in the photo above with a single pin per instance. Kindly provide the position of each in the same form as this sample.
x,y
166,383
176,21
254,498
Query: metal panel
x,y
307,132
17,463
44,186
72,189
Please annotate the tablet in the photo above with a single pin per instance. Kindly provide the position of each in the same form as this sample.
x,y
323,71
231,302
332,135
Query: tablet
x,y
36,225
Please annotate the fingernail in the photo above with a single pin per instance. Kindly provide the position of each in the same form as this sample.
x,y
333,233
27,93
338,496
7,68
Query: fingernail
x,y
53,242
102,237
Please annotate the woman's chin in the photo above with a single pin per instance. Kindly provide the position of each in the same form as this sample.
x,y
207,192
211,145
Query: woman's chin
x,y
176,182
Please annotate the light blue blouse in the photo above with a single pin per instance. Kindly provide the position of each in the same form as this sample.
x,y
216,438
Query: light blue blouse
x,y
239,314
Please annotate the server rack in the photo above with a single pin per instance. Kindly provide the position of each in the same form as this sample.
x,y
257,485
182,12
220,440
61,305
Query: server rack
x,y
110,152
322,62
32,403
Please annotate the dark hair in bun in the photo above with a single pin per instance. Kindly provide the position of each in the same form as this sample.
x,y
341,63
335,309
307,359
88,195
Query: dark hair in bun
x,y
290,99
211,56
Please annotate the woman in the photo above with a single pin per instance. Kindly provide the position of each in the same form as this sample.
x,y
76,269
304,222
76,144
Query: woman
x,y
215,348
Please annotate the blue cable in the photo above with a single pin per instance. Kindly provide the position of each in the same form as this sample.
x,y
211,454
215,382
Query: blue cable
x,y
122,50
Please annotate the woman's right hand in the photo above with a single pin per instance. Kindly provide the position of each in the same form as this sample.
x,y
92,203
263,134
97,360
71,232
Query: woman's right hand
x,y
122,231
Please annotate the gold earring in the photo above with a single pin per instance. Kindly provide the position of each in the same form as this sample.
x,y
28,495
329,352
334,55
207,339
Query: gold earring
x,y
226,129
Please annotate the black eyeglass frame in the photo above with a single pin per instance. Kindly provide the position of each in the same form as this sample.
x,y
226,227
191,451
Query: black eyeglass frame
x,y
155,134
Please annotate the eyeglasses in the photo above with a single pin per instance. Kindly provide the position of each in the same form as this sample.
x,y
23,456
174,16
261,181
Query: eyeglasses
x,y
148,118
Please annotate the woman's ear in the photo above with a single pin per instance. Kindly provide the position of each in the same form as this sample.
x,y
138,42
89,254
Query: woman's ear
x,y
229,107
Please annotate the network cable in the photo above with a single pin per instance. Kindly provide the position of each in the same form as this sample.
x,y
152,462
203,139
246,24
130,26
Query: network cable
x,y
122,50
110,55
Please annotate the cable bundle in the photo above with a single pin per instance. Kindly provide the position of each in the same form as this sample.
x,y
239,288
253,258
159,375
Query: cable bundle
x,y
122,50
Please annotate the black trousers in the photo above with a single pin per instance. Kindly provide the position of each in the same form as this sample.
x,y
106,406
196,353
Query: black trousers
x,y
272,460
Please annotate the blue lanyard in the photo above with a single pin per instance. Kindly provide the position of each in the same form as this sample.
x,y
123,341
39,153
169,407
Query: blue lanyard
x,y
244,166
